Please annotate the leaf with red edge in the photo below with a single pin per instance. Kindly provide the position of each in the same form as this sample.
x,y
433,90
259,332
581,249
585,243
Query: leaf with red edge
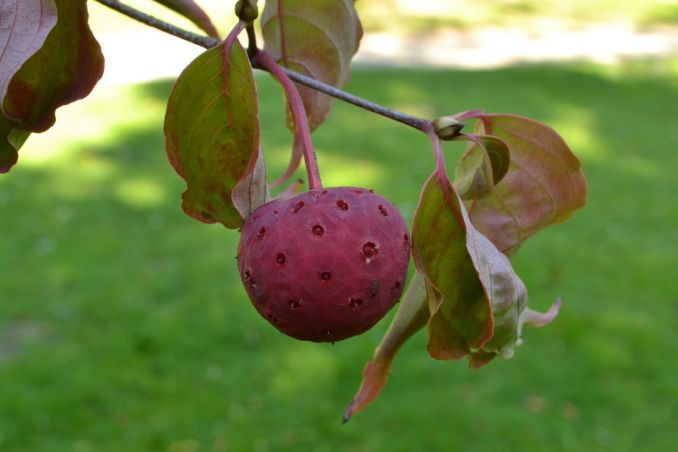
x,y
412,316
318,39
477,301
65,68
481,167
544,184
212,135
193,12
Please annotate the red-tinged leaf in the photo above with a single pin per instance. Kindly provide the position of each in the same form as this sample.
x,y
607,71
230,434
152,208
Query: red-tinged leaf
x,y
412,316
65,69
461,318
544,184
193,12
212,136
24,25
477,301
481,167
316,38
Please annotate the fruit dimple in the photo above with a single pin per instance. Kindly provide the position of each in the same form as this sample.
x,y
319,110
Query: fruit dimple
x,y
313,285
355,302
317,230
370,250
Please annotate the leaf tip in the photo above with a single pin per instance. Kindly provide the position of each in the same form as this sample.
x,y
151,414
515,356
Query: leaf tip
x,y
538,319
347,413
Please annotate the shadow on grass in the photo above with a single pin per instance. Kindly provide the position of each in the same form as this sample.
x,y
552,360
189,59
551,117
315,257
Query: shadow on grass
x,y
128,329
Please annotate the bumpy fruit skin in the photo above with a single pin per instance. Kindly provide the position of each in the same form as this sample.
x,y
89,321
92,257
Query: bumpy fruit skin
x,y
326,264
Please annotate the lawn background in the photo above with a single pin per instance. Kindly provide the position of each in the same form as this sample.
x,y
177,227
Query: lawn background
x,y
123,324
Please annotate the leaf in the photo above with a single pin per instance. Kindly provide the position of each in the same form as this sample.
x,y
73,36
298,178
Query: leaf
x,y
316,38
24,25
477,304
481,167
461,317
193,12
477,301
8,147
544,184
212,136
411,317
63,70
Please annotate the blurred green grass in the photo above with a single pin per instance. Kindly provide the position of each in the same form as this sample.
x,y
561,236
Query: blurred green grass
x,y
123,324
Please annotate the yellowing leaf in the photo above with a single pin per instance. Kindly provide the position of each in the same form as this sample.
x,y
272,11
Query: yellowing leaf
x,y
212,136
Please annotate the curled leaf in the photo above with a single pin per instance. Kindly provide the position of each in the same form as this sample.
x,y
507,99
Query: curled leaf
x,y
477,301
63,69
461,318
212,136
544,183
481,167
412,316
477,304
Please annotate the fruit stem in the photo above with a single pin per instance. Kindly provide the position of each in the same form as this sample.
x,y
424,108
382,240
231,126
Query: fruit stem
x,y
265,61
429,129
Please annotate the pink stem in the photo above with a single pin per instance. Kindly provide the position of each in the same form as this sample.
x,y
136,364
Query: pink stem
x,y
265,61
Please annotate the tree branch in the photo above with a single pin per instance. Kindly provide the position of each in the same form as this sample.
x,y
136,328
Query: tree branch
x,y
207,42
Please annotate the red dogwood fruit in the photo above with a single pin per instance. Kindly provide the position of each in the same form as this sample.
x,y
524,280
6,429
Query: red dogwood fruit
x,y
326,264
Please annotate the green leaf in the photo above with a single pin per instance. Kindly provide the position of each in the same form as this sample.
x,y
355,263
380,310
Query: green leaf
x,y
317,39
544,184
477,301
65,68
481,167
193,12
212,136
461,318
412,316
